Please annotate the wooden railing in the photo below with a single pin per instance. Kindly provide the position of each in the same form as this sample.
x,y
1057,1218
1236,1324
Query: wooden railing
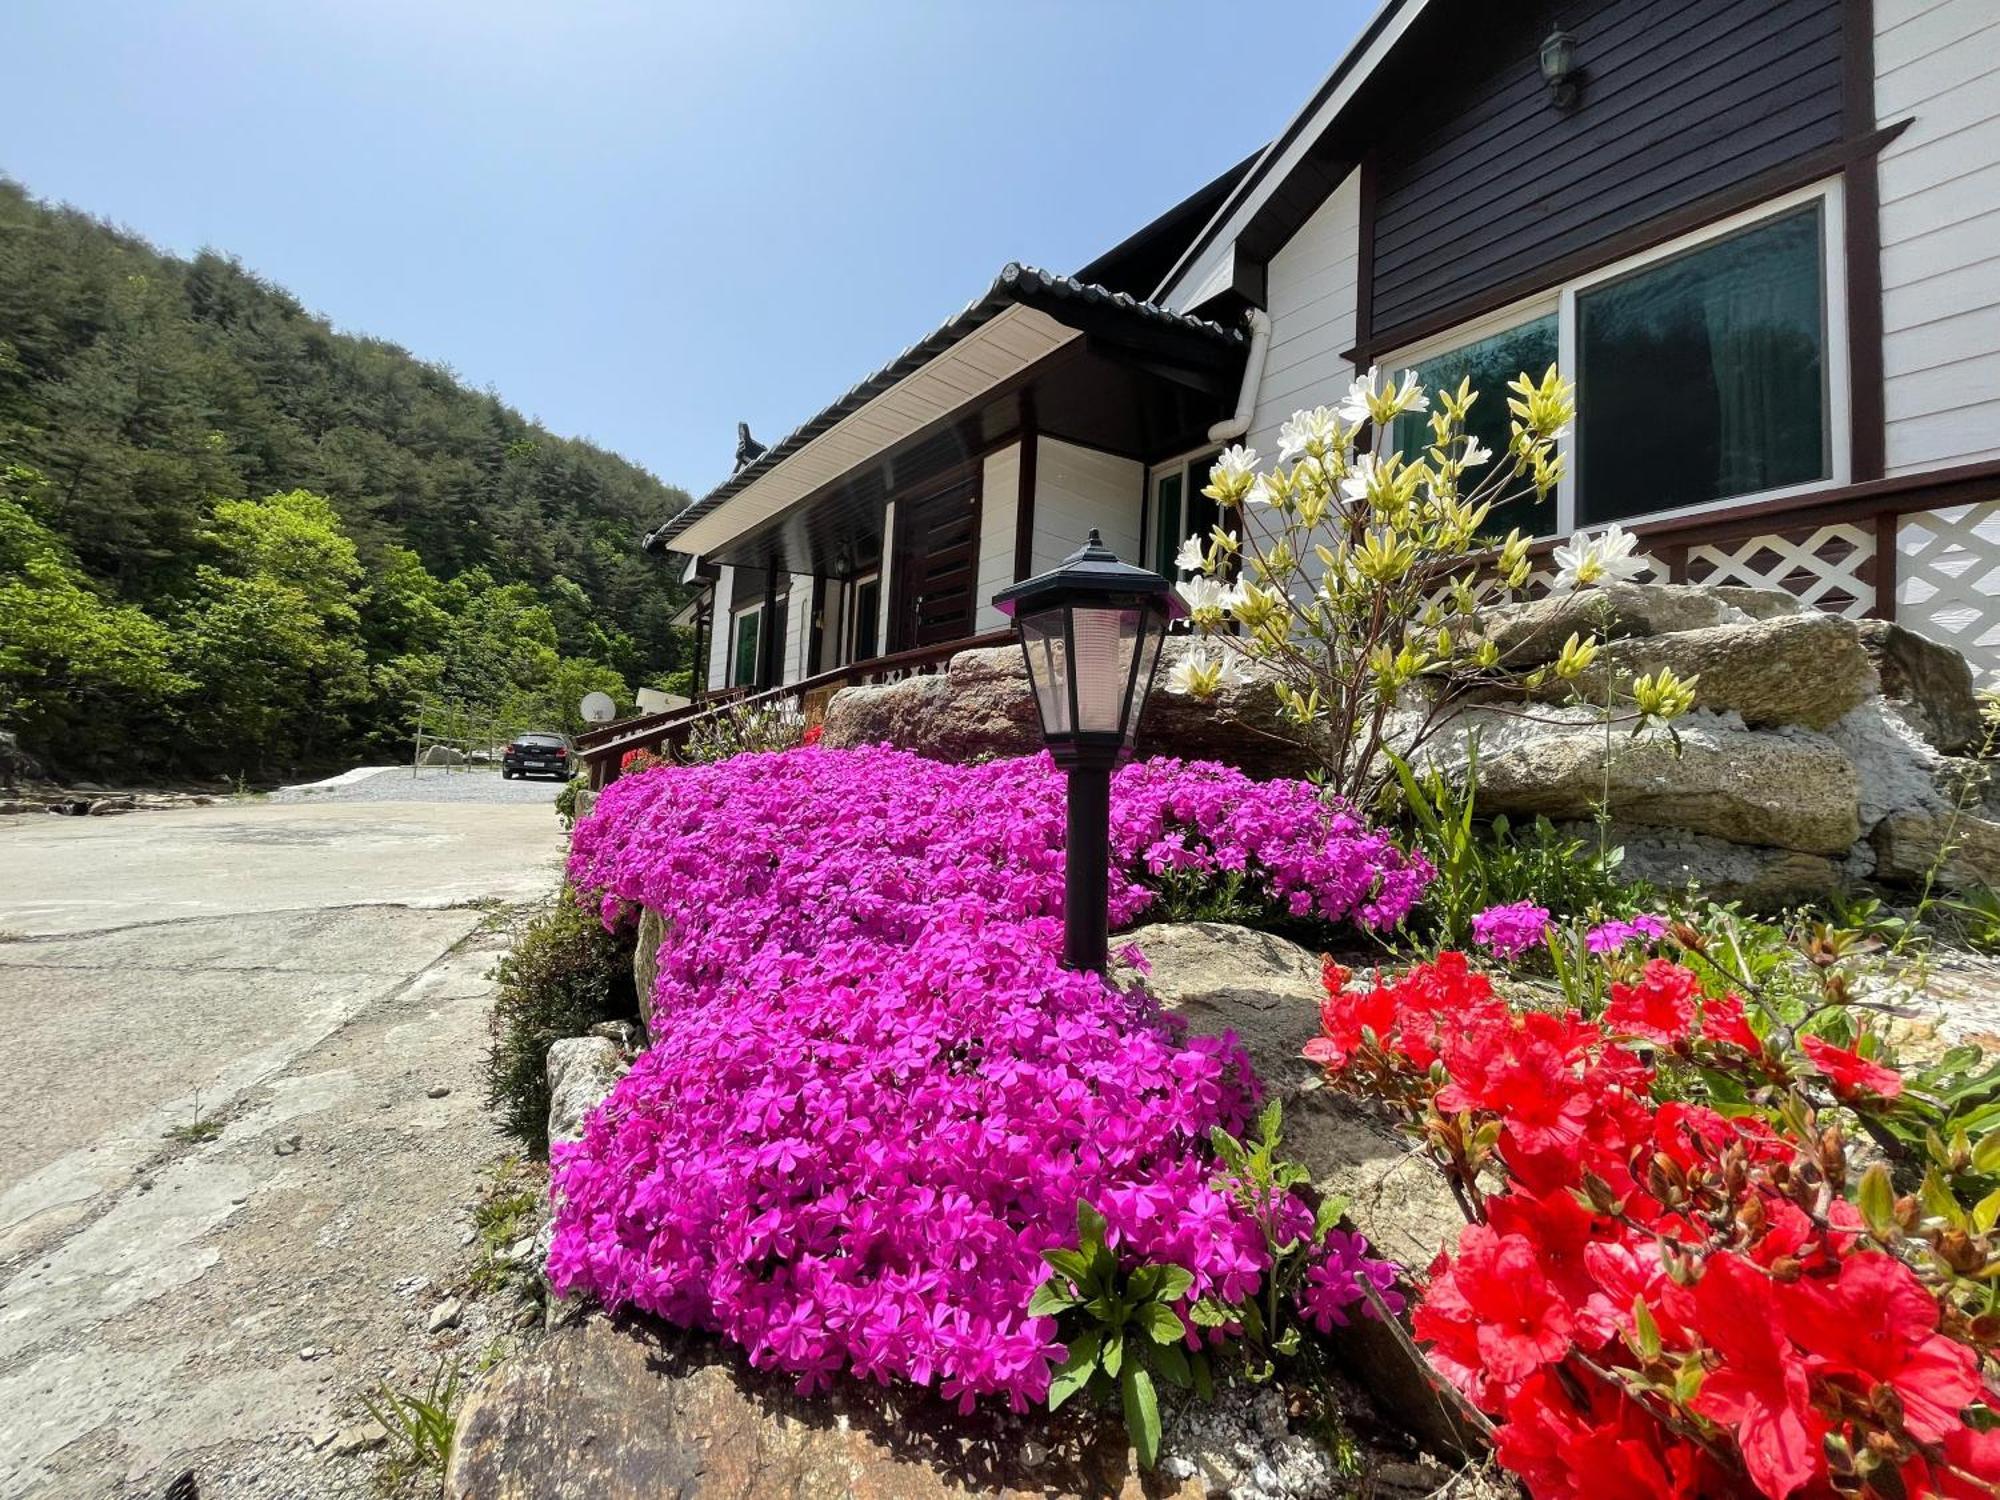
x,y
602,749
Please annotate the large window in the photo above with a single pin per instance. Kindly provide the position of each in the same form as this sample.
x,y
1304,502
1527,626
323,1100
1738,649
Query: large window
x,y
1179,509
743,665
1704,376
1488,364
867,595
1711,369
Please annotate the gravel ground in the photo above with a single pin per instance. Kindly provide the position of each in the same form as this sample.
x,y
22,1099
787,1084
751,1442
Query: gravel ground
x,y
431,784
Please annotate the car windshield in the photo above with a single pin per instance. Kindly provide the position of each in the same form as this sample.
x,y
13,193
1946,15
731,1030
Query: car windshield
x,y
539,740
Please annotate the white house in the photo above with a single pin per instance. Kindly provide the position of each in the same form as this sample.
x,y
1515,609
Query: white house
x,y
1763,237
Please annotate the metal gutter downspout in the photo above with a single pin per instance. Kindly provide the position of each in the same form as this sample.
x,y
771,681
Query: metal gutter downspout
x,y
1231,428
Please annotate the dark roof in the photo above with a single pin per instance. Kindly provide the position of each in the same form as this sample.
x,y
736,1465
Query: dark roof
x,y
1063,297
1137,263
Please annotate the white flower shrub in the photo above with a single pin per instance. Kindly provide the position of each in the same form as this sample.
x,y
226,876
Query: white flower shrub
x,y
1355,576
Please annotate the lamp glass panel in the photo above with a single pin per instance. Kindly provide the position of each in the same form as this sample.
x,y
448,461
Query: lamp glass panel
x,y
1044,639
1106,640
1153,634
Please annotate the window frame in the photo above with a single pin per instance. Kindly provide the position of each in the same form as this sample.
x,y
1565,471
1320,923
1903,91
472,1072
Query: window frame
x,y
1184,465
1561,301
736,618
855,585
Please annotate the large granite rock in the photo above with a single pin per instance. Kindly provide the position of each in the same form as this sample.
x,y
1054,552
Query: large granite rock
x,y
1795,791
980,707
1929,685
604,1410
1805,669
582,1071
1532,631
1962,847
1762,879
646,960
1760,604
1266,990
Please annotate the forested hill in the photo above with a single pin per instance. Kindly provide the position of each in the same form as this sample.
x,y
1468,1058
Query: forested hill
x,y
233,539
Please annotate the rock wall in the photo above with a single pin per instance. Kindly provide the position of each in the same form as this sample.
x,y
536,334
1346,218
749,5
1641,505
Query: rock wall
x,y
1821,750
980,708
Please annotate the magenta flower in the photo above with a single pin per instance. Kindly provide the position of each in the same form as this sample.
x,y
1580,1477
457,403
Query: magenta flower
x,y
1511,930
1609,937
874,1096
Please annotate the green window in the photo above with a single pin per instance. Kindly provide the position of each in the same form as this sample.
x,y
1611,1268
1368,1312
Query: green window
x,y
1705,376
1167,533
1489,364
745,665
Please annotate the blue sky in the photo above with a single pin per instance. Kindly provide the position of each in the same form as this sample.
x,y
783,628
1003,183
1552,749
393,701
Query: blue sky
x,y
643,222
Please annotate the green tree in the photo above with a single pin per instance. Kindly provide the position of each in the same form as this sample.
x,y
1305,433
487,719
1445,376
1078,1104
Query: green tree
x,y
83,679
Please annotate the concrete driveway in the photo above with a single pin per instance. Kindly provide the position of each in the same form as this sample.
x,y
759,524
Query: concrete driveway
x,y
311,982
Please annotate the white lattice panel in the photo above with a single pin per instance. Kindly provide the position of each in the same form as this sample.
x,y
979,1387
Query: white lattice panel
x,y
1823,566
1948,580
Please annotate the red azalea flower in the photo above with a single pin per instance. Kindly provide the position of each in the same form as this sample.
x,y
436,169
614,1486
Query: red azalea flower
x,y
1724,1020
1849,1072
1760,1390
1659,1008
1522,1323
1875,1323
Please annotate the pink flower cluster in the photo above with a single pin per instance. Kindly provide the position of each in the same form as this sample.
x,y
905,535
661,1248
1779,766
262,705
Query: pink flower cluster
x,y
1509,931
874,1097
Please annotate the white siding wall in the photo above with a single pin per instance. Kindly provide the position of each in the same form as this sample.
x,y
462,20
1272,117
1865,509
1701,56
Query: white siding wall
x,y
1939,62
1078,488
999,509
1311,289
719,628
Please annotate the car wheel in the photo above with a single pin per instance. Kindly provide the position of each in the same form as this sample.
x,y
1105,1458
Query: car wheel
x,y
505,774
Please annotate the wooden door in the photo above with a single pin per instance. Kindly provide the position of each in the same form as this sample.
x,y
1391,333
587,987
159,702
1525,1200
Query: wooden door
x,y
937,565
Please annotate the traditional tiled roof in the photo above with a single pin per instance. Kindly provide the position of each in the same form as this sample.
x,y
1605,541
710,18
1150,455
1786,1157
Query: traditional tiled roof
x,y
1015,285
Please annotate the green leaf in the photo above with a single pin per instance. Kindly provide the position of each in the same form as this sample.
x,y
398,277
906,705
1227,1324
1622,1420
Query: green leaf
x,y
1332,1210
1270,1124
1876,1197
1986,1212
1071,1263
1204,1382
1090,1226
1051,1298
1161,1324
1210,1313
1144,1283
1174,1283
1172,1362
1986,1155
1646,1333
1142,1413
1112,1356
1075,1371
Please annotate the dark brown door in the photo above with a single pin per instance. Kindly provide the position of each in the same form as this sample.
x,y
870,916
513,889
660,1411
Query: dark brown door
x,y
937,563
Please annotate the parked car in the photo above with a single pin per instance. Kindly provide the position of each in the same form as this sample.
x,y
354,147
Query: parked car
x,y
537,754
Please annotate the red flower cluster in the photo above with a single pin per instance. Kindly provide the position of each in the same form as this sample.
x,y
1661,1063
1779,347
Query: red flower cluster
x,y
1656,1299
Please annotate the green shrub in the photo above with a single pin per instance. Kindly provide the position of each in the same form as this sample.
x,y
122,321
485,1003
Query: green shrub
x,y
566,800
564,975
740,730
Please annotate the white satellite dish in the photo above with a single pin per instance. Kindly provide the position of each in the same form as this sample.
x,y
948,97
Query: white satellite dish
x,y
597,708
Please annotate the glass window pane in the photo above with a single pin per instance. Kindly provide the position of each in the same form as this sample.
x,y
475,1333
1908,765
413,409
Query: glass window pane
x,y
1705,376
867,614
1044,640
1167,533
1105,642
1489,364
746,650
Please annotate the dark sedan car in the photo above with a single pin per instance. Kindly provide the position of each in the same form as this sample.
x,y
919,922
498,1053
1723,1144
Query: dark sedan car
x,y
536,755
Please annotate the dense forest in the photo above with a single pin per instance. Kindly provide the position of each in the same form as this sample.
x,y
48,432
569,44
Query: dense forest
x,y
235,541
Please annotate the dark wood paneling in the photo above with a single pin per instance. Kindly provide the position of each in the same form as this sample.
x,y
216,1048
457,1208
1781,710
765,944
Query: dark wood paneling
x,y
936,568
1679,100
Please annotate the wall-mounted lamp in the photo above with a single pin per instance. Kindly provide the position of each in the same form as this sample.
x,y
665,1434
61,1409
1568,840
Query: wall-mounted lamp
x,y
1559,67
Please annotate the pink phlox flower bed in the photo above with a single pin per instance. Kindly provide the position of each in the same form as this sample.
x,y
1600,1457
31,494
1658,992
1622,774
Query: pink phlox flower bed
x,y
874,1096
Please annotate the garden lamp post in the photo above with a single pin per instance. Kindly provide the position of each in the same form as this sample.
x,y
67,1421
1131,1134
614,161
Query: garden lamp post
x,y
1091,629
